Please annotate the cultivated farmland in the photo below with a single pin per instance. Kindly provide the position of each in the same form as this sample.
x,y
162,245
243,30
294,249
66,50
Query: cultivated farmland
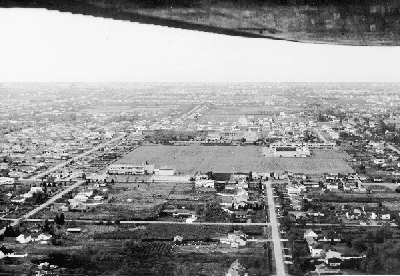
x,y
189,159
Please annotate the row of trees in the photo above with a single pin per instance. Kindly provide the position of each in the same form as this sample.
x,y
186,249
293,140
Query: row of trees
x,y
165,136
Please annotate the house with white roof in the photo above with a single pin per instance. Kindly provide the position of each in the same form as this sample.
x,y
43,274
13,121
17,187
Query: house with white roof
x,y
23,238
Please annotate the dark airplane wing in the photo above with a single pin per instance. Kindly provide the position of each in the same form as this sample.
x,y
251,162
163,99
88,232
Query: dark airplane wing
x,y
351,22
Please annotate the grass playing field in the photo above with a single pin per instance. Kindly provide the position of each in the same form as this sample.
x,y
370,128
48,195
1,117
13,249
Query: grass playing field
x,y
189,159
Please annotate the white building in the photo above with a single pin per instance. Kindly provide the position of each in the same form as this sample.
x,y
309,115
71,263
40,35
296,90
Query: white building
x,y
81,198
130,169
23,238
6,180
164,170
36,190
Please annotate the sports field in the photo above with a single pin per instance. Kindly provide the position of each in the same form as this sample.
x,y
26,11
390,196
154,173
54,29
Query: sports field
x,y
189,159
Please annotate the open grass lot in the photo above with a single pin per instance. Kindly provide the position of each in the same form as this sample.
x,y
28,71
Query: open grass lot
x,y
189,159
145,201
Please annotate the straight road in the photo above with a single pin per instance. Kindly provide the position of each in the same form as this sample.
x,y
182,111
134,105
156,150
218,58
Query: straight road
x,y
47,203
321,136
280,266
59,166
70,188
393,148
159,222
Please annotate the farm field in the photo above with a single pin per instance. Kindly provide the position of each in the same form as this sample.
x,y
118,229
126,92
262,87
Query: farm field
x,y
148,250
189,159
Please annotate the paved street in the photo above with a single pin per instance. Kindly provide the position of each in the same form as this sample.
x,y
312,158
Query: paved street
x,y
158,222
393,148
280,266
70,188
46,204
39,176
320,135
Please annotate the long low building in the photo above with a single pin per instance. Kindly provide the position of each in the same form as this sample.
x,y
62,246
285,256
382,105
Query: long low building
x,y
287,151
321,146
130,169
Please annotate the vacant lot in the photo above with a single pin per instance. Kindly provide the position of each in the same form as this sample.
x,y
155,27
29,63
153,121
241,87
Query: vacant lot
x,y
189,159
128,201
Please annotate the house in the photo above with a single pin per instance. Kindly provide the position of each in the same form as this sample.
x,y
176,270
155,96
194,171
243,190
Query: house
x,y
293,190
333,262
191,219
316,250
7,180
352,215
18,199
323,269
98,198
27,195
36,190
178,239
235,239
226,201
23,238
385,216
331,236
236,269
77,174
41,237
347,187
81,197
379,161
203,181
86,192
332,186
3,210
240,215
332,254
97,177
361,189
310,234
60,207
373,216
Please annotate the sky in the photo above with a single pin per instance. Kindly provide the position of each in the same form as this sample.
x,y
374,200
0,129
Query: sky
x,y
49,46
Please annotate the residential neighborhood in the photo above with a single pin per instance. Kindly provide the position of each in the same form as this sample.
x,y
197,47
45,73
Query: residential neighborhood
x,y
204,182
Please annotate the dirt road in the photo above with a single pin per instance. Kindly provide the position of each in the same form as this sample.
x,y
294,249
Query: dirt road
x,y
279,264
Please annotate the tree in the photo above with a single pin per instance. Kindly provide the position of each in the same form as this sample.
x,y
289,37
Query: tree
x,y
186,270
62,219
232,218
250,176
286,222
9,232
51,229
57,219
214,213
359,245
385,232
331,236
369,237
46,227
374,265
397,221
